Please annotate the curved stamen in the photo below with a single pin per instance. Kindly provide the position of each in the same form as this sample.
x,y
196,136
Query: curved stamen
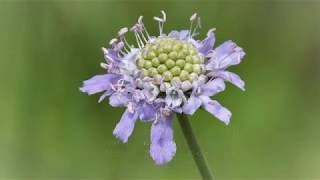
x,y
122,38
197,26
192,18
164,15
192,31
140,40
137,40
210,31
137,29
140,21
161,21
126,43
104,65
143,37
118,47
113,42
122,32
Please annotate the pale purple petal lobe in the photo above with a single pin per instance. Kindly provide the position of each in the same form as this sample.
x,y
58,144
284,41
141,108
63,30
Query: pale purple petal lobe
x,y
207,44
227,54
213,87
163,147
105,94
216,109
125,126
99,83
181,35
192,105
118,100
147,112
232,78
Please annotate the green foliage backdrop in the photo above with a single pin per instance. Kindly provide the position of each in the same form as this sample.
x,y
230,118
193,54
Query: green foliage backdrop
x,y
49,130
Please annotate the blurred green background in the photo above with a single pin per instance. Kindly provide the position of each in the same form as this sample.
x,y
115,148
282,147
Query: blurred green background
x,y
49,130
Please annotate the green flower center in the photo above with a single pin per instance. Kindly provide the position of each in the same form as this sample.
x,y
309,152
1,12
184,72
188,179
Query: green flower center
x,y
168,58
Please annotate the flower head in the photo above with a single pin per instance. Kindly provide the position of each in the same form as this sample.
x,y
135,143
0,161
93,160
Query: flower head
x,y
163,75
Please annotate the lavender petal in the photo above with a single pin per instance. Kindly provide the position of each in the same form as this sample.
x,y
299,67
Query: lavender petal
x,y
227,54
99,83
232,78
216,109
213,87
163,147
181,35
192,105
147,112
119,99
207,44
125,126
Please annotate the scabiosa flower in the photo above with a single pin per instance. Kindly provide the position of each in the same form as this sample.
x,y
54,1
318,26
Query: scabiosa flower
x,y
163,75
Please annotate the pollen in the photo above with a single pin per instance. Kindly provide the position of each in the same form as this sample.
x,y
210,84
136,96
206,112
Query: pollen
x,y
169,58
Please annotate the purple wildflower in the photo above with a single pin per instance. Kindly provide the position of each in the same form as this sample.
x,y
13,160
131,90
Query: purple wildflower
x,y
171,73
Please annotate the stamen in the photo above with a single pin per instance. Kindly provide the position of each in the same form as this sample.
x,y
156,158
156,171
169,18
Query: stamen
x,y
164,15
211,30
127,45
197,26
156,121
137,29
113,87
192,18
119,46
140,21
165,111
105,51
109,58
122,53
192,31
158,19
131,107
121,36
104,65
112,41
137,40
122,32
161,21
145,30
143,37
142,44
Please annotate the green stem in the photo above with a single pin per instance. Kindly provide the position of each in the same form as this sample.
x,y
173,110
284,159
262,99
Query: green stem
x,y
194,147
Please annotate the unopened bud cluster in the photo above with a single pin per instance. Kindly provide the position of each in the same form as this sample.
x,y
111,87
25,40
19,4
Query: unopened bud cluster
x,y
168,58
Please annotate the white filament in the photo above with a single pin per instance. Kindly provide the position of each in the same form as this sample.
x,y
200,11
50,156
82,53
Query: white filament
x,y
161,21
